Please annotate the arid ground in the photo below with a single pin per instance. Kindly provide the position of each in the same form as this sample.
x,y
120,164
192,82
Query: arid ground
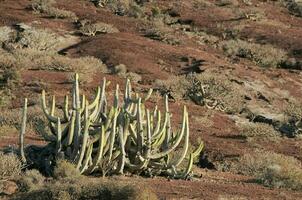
x,y
247,54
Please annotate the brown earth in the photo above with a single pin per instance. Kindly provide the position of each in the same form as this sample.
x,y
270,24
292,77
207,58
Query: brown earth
x,y
145,57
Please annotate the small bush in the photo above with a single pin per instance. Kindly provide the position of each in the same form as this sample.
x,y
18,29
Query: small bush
x,y
39,39
5,34
272,169
86,189
258,130
46,7
125,7
90,29
157,30
217,89
295,7
10,166
120,69
262,55
65,169
31,180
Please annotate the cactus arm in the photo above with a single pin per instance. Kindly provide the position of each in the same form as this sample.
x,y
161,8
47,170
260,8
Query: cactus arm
x,y
148,143
69,138
112,136
157,127
198,150
66,110
99,156
44,108
96,99
59,137
22,132
84,140
133,132
83,102
185,148
87,158
168,127
139,127
167,151
188,168
102,101
122,156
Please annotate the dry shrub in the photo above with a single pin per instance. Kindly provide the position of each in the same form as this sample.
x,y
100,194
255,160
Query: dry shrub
x,y
8,130
125,7
294,110
10,166
65,169
6,34
121,70
217,87
86,189
272,169
47,7
38,60
263,55
157,30
92,29
258,130
295,7
31,180
39,39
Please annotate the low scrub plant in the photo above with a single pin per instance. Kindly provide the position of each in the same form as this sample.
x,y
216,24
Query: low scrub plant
x,y
263,55
47,7
10,166
30,180
91,29
86,189
272,169
214,92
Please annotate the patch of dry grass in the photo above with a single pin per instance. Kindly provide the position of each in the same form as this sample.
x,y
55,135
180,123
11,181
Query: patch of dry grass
x,y
10,166
261,130
121,70
91,29
295,7
262,55
204,87
31,180
157,30
86,188
272,169
65,169
47,7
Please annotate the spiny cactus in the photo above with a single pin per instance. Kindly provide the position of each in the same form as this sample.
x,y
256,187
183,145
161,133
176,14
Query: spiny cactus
x,y
123,138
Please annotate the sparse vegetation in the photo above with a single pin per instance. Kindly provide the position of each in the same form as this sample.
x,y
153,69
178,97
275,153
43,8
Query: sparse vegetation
x,y
85,188
10,166
65,169
91,29
294,6
121,70
261,130
47,7
263,55
215,92
272,169
31,180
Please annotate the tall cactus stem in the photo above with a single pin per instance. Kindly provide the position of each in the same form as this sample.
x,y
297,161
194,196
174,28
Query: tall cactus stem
x,y
22,132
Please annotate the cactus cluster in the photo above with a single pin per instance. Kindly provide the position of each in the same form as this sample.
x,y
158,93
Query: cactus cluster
x,y
125,137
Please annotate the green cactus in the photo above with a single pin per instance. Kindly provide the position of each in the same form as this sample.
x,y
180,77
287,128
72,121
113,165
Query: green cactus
x,y
123,138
